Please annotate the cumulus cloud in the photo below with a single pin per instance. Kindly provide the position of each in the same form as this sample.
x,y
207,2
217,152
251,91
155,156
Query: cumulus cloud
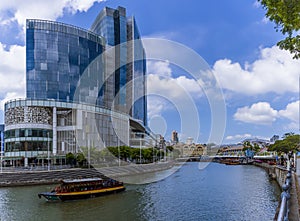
x,y
159,68
156,106
12,73
275,71
19,10
167,92
238,136
263,113
160,82
258,113
291,112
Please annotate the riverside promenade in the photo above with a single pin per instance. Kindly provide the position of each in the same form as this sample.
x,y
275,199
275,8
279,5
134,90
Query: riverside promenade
x,y
39,177
280,174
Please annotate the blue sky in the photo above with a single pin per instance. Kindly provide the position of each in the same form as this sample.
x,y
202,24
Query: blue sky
x,y
259,82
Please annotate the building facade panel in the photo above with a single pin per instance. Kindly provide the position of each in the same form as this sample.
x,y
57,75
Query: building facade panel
x,y
57,55
76,126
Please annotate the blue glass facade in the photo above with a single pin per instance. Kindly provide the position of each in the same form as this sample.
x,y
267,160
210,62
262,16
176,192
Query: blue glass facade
x,y
139,74
56,57
73,89
111,24
130,60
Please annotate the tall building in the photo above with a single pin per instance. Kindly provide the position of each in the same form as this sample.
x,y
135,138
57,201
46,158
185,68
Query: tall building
x,y
126,63
83,88
189,140
174,137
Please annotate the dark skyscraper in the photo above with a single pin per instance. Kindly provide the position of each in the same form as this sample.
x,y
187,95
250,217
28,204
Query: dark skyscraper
x,y
128,68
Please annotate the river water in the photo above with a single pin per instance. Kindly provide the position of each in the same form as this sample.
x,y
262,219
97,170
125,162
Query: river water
x,y
194,192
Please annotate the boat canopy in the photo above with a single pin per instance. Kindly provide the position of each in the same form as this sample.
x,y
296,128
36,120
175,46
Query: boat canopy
x,y
81,180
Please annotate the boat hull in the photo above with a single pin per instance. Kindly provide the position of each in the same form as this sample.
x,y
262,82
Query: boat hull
x,y
52,196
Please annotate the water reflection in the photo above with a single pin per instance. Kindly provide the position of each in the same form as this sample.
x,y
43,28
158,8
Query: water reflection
x,y
217,192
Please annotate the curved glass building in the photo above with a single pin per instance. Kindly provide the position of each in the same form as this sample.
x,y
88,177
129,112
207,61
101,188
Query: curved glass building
x,y
83,88
56,57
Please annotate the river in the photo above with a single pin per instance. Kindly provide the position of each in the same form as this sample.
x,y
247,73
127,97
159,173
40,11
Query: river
x,y
213,192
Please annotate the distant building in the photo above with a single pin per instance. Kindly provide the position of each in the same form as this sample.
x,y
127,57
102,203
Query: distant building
x,y
191,150
162,142
174,137
274,138
231,150
189,140
260,142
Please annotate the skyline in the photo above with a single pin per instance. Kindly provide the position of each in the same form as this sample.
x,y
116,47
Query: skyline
x,y
260,83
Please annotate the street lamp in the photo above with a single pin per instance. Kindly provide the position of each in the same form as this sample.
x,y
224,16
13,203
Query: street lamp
x,y
48,147
1,161
1,155
140,150
89,152
119,151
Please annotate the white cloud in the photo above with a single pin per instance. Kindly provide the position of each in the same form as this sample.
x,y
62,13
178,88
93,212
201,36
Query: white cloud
x,y
160,82
238,137
258,113
263,113
19,10
166,92
275,71
10,96
160,68
12,73
291,112
155,106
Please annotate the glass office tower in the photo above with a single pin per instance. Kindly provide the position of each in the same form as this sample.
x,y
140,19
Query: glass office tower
x,y
56,57
136,72
129,67
83,88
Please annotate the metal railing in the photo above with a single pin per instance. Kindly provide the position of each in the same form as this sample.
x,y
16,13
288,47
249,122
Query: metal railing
x,y
283,214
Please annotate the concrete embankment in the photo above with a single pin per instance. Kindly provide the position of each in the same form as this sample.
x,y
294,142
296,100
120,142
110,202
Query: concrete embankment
x,y
280,174
22,178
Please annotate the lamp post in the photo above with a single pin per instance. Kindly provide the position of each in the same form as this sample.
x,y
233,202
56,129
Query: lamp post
x,y
140,150
89,152
2,149
119,152
48,151
1,157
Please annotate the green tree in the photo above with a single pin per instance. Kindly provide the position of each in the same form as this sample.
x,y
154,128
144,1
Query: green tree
x,y
124,152
256,147
170,148
70,158
80,158
147,154
286,16
247,145
289,143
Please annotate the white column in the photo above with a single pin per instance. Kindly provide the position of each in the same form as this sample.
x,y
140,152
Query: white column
x,y
54,139
26,161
